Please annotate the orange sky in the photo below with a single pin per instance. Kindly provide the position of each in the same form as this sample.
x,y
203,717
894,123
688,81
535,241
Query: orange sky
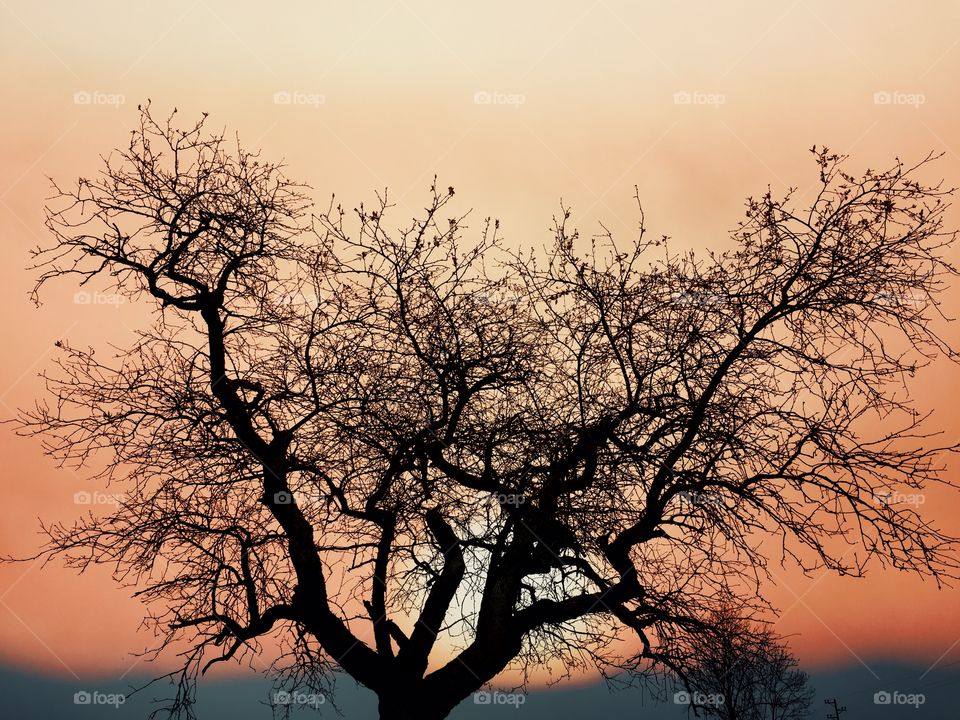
x,y
698,104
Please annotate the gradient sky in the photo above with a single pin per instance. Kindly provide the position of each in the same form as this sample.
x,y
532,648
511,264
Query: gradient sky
x,y
698,104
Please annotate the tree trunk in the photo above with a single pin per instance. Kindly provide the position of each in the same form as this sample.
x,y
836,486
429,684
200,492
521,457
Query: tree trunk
x,y
409,707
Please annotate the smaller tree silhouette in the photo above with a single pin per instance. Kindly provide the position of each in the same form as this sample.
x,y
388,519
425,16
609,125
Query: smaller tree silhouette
x,y
743,671
838,709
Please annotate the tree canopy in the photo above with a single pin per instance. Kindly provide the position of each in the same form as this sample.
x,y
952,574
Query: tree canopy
x,y
421,455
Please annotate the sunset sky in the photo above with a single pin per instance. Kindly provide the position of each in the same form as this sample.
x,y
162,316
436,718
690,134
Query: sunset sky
x,y
697,104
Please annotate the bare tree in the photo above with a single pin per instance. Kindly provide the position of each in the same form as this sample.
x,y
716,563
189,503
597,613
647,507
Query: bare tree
x,y
423,461
744,671
838,709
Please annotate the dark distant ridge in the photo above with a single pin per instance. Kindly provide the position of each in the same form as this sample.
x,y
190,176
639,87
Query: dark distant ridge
x,y
31,696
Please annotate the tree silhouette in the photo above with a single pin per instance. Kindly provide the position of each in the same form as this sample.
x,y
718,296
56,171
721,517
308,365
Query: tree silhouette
x,y
838,710
741,671
422,460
